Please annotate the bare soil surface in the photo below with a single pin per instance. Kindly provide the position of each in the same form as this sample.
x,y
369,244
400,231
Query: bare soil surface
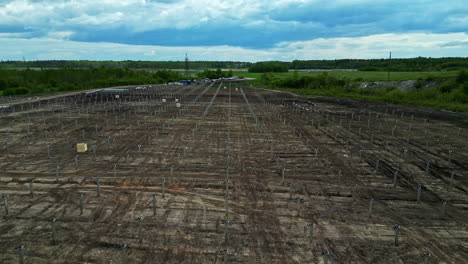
x,y
233,175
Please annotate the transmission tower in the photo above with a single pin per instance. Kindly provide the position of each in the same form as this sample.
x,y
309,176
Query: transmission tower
x,y
186,65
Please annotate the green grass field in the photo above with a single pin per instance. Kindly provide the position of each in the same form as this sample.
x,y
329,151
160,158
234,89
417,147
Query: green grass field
x,y
450,94
364,75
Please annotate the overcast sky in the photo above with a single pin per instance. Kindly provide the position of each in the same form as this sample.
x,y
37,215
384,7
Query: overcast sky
x,y
239,30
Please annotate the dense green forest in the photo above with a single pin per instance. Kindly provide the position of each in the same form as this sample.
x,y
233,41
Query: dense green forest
x,y
194,65
16,82
403,65
451,93
214,74
412,64
270,66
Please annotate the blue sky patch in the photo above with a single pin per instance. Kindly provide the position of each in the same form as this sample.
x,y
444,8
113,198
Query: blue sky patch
x,y
263,26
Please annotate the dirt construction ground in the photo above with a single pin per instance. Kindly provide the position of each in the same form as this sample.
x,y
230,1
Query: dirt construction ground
x,y
229,174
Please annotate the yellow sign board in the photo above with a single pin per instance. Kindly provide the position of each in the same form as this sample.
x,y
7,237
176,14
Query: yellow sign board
x,y
81,147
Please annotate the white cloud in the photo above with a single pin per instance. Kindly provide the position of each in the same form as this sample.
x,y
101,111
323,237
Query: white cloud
x,y
137,15
15,35
259,23
374,46
63,35
101,19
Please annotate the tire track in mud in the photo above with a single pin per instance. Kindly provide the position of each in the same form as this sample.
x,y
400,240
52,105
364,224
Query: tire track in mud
x,y
416,233
263,229
264,226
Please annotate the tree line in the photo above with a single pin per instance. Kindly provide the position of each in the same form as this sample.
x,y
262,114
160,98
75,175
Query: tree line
x,y
451,94
403,65
196,65
22,82
411,64
269,66
214,74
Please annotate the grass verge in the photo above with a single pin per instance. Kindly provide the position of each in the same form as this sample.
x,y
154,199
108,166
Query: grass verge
x,y
451,94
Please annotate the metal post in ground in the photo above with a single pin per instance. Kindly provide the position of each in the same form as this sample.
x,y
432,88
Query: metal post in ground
x,y
140,228
123,254
418,197
226,205
325,255
154,204
371,203
353,191
426,257
395,177
444,208
163,183
21,254
31,189
76,161
311,230
52,225
57,169
452,176
225,256
226,190
226,230
93,147
81,196
98,186
23,161
5,203
290,190
282,176
396,228
299,200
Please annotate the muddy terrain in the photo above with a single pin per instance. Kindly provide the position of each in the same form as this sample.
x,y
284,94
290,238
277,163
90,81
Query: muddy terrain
x,y
222,173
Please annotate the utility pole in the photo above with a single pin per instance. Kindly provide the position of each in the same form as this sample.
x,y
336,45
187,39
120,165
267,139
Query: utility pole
x,y
186,65
389,64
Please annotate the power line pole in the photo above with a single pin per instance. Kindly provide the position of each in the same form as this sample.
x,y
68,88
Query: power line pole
x,y
186,65
389,63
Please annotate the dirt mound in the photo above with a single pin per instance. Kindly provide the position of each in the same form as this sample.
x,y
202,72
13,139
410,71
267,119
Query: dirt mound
x,y
403,86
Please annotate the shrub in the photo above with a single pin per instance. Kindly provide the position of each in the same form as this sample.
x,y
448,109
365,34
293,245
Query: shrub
x,y
462,77
418,84
464,88
15,91
446,87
